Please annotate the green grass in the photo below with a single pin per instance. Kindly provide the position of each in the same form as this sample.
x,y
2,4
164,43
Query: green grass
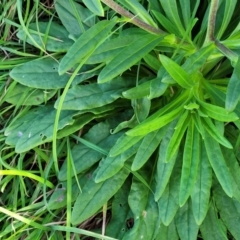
x,y
119,119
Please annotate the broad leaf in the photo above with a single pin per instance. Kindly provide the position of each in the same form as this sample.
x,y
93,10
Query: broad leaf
x,y
218,164
84,156
57,36
201,192
95,195
121,213
35,127
167,232
186,225
95,6
229,209
27,96
138,49
74,17
212,227
43,74
86,44
94,95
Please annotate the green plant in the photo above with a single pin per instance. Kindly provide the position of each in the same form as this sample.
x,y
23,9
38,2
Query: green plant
x,y
140,100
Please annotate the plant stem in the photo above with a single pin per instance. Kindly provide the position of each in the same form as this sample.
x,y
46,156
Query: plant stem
x,y
132,18
211,21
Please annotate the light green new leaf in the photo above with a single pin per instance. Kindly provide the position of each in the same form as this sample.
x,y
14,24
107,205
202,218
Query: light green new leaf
x,y
43,73
94,6
148,146
148,126
35,127
218,113
109,166
57,37
201,192
86,44
186,225
177,136
124,60
195,61
84,156
191,159
213,131
94,95
124,143
177,72
233,89
218,164
27,96
74,17
168,203
164,169
229,209
212,227
95,195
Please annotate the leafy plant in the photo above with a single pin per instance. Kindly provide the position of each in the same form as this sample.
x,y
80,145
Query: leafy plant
x,y
135,110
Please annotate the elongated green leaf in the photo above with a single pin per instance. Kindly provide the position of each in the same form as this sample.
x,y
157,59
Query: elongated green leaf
x,y
213,131
167,232
228,12
218,113
84,156
157,88
42,73
84,97
201,192
234,168
171,10
124,143
212,227
139,91
169,201
121,213
233,89
110,48
95,6
186,225
74,17
197,60
95,195
141,108
138,50
164,169
147,147
157,123
144,208
111,165
35,127
85,45
229,209
191,159
27,96
176,139
57,36
177,72
218,164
